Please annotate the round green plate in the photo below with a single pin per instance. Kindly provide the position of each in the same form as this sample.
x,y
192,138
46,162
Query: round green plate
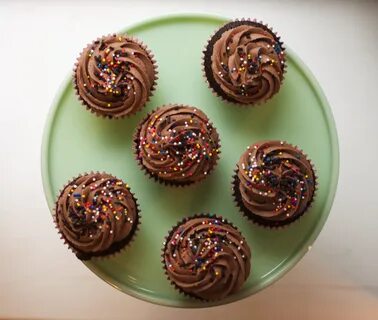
x,y
76,141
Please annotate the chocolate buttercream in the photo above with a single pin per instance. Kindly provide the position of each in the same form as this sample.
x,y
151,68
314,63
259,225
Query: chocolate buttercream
x,y
96,214
275,182
244,62
115,76
177,144
207,258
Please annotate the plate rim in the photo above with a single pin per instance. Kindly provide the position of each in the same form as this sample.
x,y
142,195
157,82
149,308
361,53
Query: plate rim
x,y
335,156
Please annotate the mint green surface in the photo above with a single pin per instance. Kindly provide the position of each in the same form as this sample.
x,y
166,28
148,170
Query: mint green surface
x,y
76,141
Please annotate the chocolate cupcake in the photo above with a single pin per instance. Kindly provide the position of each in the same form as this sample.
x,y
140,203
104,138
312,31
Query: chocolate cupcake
x,y
205,257
177,145
274,184
244,62
96,215
115,76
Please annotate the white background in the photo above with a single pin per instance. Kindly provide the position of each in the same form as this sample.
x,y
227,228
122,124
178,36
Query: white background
x,y
39,278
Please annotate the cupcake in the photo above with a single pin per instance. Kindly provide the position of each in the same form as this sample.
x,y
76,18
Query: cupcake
x,y
177,145
96,215
274,183
244,62
205,257
115,76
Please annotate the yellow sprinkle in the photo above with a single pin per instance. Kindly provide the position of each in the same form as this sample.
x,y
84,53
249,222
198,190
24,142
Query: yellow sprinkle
x,y
109,104
216,273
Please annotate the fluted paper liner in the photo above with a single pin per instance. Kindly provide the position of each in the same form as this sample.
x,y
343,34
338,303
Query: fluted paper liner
x,y
173,183
260,220
116,247
207,61
168,237
152,89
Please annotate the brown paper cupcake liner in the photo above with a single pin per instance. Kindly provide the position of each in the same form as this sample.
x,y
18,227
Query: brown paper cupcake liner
x,y
208,51
116,247
168,237
156,178
153,87
260,220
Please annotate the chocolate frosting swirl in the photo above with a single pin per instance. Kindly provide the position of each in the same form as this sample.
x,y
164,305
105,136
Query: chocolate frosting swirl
x,y
207,258
115,76
177,144
247,62
276,182
96,214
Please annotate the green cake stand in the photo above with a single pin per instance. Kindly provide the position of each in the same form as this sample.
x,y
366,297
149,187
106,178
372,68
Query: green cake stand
x,y
76,141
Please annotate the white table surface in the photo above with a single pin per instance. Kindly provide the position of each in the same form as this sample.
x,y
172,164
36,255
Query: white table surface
x,y
40,279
